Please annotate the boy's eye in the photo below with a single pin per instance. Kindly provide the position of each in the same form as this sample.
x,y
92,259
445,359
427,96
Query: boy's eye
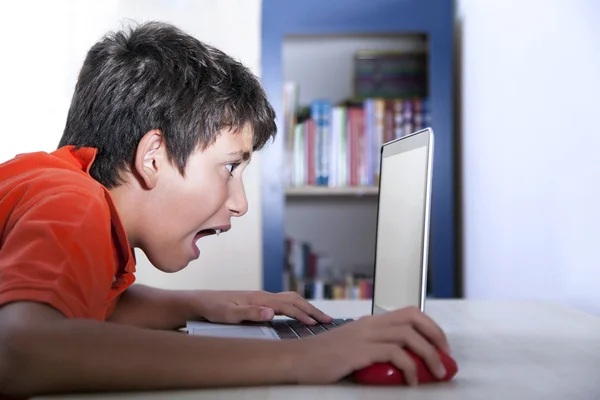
x,y
230,167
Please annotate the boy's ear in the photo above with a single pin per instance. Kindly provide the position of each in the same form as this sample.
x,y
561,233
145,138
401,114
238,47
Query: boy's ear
x,y
150,156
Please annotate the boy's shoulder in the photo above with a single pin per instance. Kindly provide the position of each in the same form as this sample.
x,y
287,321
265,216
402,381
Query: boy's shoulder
x,y
54,181
66,169
62,242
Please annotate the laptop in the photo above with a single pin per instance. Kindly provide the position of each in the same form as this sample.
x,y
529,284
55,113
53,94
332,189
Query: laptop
x,y
402,244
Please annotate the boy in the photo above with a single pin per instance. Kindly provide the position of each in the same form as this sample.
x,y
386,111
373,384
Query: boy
x,y
157,137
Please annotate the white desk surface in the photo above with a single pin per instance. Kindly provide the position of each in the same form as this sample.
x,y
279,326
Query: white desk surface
x,y
505,350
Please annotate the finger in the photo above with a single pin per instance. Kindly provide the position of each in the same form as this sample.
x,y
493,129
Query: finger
x,y
285,304
417,344
311,310
402,361
237,314
422,322
292,311
432,332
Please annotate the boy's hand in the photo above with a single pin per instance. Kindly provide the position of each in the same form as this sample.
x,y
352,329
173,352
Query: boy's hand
x,y
237,306
331,356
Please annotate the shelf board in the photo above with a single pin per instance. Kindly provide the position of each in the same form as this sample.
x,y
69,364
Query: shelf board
x,y
355,191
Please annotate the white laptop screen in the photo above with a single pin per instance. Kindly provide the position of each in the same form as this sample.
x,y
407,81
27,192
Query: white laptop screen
x,y
401,225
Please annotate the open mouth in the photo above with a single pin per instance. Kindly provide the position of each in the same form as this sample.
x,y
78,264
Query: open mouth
x,y
206,232
210,231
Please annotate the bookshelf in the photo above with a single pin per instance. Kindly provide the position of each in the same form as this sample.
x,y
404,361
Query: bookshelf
x,y
313,191
323,219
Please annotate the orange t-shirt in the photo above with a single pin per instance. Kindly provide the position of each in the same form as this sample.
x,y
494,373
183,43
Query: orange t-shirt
x,y
62,242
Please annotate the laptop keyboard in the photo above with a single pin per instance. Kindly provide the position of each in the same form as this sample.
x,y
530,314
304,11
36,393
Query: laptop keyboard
x,y
294,329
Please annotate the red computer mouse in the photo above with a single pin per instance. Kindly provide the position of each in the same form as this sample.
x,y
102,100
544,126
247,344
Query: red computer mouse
x,y
388,374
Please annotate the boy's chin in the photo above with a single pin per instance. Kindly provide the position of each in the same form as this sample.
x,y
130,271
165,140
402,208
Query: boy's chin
x,y
171,268
169,264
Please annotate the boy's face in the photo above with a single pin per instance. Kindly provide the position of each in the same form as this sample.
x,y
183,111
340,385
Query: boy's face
x,y
181,210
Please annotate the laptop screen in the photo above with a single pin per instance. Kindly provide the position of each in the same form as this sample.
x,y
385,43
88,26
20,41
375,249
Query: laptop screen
x,y
402,223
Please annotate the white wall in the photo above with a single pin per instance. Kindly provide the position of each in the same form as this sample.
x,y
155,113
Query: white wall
x,y
43,45
530,87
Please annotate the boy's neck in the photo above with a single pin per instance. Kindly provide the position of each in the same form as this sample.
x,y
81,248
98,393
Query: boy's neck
x,y
129,205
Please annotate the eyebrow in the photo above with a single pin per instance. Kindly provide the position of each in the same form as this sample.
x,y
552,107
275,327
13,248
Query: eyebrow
x,y
244,155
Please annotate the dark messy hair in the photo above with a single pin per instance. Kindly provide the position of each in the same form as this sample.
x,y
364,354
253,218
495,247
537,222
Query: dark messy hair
x,y
155,76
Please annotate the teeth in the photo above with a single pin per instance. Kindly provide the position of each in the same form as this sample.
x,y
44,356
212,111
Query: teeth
x,y
218,231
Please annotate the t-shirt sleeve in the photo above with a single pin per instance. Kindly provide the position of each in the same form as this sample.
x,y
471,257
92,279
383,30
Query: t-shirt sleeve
x,y
54,253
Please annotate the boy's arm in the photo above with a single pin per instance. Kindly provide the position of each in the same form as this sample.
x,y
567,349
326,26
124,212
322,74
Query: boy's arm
x,y
43,352
148,307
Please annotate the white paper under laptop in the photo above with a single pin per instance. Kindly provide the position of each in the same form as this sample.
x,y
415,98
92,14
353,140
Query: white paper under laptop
x,y
402,243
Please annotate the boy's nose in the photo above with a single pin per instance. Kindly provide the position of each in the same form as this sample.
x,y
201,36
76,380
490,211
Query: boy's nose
x,y
238,203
